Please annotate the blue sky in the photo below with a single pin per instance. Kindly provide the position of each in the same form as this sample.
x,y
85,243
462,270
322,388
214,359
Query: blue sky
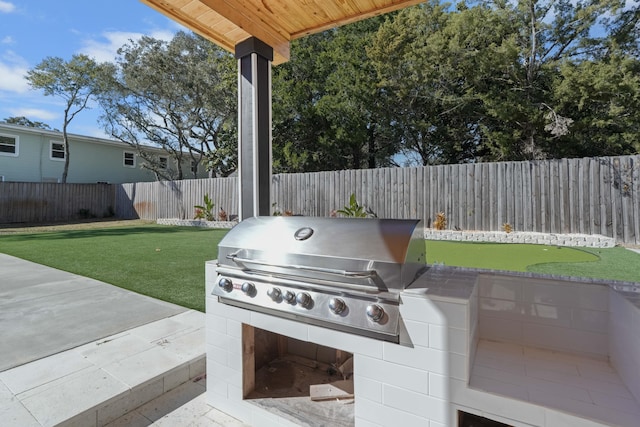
x,y
31,30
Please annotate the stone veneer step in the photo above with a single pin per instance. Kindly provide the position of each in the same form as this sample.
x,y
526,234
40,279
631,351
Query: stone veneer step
x,y
97,383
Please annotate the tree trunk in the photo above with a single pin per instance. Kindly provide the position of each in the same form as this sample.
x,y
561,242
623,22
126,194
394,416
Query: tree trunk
x,y
65,141
372,145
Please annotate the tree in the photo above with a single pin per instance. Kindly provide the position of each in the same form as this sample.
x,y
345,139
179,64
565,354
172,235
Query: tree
x,y
179,95
602,98
327,111
429,62
523,122
297,124
23,121
486,82
74,81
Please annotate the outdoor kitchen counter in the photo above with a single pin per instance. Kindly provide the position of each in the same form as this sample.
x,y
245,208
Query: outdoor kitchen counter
x,y
445,282
558,349
518,348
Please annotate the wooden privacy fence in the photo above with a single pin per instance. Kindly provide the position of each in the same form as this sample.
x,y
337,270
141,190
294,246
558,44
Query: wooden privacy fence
x,y
35,202
175,199
590,195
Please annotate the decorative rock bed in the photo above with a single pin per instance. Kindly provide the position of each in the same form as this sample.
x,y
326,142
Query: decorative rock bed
x,y
196,223
584,240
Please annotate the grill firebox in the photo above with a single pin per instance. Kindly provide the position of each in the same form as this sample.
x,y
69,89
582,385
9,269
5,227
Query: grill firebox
x,y
341,273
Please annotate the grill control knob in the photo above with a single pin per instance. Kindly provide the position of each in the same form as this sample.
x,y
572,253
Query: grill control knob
x,y
304,299
274,293
375,312
225,284
248,288
337,305
290,297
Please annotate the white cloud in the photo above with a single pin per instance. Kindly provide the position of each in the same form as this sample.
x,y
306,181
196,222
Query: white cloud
x,y
33,113
13,69
7,40
105,49
6,7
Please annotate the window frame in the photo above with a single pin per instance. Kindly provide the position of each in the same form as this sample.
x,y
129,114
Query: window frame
x,y
164,162
16,145
124,159
64,151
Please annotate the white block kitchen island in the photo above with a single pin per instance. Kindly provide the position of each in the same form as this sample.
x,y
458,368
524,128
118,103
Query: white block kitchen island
x,y
513,348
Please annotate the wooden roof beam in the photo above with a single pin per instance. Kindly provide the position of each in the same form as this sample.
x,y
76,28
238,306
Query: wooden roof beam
x,y
259,23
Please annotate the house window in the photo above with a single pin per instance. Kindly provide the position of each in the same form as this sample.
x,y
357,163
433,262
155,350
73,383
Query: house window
x,y
194,166
129,159
8,145
163,162
57,150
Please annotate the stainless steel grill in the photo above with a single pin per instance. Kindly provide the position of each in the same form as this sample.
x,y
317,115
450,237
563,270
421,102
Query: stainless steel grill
x,y
342,273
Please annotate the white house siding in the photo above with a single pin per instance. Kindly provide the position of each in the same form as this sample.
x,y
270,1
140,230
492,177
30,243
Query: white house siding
x,y
91,159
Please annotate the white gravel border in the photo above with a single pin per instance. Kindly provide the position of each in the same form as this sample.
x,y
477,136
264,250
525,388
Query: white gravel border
x,y
553,239
196,223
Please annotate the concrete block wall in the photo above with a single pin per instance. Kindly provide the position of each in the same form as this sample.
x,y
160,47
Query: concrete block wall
x,y
408,384
558,315
624,343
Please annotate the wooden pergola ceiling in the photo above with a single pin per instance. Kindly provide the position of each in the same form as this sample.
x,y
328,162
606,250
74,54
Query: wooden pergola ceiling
x,y
275,22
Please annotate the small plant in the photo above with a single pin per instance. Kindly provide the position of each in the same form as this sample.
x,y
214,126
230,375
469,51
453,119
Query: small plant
x,y
354,210
440,223
276,211
507,227
85,214
222,215
205,211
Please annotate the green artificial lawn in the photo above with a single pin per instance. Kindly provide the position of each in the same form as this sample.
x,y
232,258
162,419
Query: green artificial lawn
x,y
613,263
159,261
168,262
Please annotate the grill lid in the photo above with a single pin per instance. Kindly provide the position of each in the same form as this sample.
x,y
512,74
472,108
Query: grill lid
x,y
386,254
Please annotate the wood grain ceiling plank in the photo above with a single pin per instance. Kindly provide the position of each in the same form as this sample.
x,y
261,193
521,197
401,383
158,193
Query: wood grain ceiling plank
x,y
194,8
298,14
389,6
275,22
257,23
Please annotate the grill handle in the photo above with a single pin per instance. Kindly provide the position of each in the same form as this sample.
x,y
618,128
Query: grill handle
x,y
363,274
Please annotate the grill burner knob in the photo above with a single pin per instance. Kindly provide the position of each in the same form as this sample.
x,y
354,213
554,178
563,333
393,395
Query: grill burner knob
x,y
274,293
303,298
225,284
337,305
248,288
290,297
375,312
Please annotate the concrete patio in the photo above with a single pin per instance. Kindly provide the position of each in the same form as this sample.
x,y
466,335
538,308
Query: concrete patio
x,y
79,352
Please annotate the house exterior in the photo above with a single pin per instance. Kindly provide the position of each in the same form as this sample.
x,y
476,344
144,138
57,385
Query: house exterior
x,y
38,155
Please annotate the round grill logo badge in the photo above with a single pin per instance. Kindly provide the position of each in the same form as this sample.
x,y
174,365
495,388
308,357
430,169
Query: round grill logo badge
x,y
303,233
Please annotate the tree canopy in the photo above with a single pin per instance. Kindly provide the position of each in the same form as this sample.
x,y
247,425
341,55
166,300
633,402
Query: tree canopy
x,y
23,121
179,95
436,83
75,81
